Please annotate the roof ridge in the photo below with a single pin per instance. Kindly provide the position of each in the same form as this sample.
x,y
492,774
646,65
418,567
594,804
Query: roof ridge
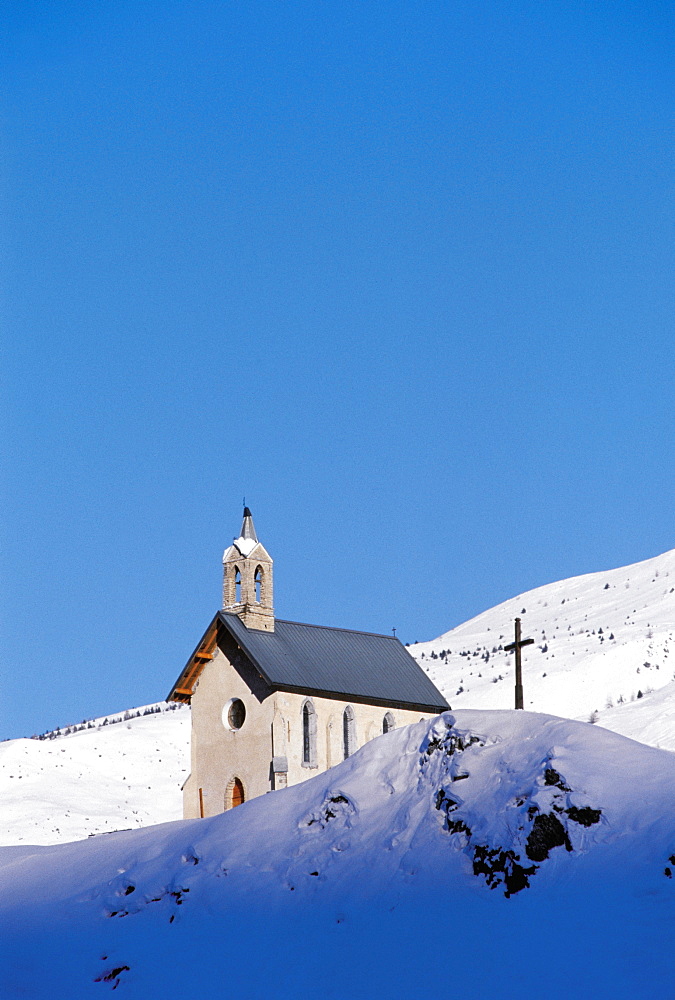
x,y
336,628
296,662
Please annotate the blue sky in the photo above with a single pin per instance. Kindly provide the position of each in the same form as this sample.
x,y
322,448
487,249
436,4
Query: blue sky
x,y
401,274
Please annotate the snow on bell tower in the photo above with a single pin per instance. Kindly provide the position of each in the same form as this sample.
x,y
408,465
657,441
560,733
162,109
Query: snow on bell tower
x,y
247,579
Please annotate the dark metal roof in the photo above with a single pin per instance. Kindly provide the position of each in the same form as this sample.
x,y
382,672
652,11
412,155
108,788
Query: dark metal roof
x,y
358,665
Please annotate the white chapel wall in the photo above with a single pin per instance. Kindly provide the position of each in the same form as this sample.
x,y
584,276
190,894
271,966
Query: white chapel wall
x,y
329,729
272,730
218,753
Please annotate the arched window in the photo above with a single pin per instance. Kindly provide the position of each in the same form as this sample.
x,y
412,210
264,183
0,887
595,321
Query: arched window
x,y
329,742
234,796
348,731
308,735
237,585
258,584
388,723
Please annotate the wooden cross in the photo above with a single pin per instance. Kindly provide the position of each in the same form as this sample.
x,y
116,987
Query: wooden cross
x,y
516,647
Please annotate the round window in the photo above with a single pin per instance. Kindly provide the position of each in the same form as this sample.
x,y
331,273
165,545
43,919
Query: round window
x,y
234,714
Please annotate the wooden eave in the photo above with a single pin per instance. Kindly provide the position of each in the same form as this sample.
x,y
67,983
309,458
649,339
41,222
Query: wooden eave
x,y
183,689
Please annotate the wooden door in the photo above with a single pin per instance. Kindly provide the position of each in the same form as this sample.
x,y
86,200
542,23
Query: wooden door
x,y
237,793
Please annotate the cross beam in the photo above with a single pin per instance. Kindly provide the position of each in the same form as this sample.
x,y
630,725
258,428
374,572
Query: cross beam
x,y
515,647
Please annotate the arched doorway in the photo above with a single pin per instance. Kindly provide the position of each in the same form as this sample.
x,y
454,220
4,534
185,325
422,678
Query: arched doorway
x,y
235,794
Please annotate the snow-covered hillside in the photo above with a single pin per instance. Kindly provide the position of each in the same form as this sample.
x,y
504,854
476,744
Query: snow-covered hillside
x,y
489,854
649,720
601,641
122,772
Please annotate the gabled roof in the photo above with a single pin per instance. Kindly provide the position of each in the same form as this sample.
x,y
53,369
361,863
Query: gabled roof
x,y
314,659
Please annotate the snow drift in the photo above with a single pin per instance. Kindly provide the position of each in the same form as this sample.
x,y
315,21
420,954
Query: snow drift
x,y
483,854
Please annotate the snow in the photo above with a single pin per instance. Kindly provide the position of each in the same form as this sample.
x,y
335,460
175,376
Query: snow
x,y
489,852
395,874
600,639
129,774
246,545
124,774
650,719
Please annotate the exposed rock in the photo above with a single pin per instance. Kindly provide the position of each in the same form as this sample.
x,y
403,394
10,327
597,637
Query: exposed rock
x,y
547,832
585,816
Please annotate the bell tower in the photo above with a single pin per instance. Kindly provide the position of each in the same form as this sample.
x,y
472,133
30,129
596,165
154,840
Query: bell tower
x,y
247,579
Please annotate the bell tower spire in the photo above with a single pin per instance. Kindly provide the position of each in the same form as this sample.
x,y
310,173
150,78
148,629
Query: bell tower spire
x,y
247,578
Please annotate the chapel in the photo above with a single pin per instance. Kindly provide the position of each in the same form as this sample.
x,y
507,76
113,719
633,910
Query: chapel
x,y
275,702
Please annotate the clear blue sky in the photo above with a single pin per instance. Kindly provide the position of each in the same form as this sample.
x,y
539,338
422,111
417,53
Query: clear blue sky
x,y
399,273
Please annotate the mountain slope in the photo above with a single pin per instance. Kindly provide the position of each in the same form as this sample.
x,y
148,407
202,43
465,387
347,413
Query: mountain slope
x,y
600,640
649,720
488,853
123,772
